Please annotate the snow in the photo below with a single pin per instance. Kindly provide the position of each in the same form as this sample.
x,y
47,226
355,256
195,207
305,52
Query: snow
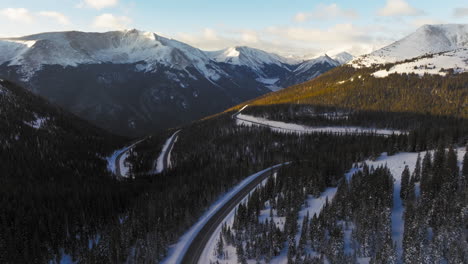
x,y
119,47
177,251
269,81
207,255
307,65
165,149
428,39
342,57
38,123
124,168
314,206
283,127
246,56
457,60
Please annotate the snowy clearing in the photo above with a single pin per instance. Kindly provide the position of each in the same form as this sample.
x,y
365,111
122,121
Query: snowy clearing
x,y
177,251
396,165
283,127
166,152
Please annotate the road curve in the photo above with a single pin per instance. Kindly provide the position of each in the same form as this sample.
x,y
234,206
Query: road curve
x,y
198,244
236,117
165,152
117,160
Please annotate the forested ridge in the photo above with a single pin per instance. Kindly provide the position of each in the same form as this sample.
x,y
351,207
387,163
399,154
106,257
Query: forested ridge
x,y
349,87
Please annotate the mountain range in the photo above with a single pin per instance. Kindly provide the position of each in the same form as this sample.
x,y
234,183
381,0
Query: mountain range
x,y
133,82
326,193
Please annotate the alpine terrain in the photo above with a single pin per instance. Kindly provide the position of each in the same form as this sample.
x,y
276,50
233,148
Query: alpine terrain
x,y
129,147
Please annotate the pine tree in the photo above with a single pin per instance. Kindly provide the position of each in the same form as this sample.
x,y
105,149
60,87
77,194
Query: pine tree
x,y
452,167
220,247
417,169
405,181
426,173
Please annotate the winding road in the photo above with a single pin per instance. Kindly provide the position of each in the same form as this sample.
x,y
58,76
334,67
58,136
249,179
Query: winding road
x,y
196,247
119,157
162,163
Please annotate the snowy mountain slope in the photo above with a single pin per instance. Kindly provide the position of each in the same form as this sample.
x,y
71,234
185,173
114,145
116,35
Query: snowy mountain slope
x,y
439,63
119,47
253,58
428,39
307,65
342,57
134,82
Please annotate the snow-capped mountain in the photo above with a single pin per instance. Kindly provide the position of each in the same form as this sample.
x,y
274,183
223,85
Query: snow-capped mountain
x,y
136,82
342,57
250,57
428,39
309,69
118,47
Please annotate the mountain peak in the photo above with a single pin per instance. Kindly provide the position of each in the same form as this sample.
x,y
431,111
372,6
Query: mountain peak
x,y
428,39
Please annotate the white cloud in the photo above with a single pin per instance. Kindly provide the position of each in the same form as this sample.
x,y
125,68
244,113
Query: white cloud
x,y
326,12
17,14
426,21
460,12
294,40
399,8
98,4
60,18
210,34
109,21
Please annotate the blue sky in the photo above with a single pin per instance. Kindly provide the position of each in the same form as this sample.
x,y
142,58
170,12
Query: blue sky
x,y
300,27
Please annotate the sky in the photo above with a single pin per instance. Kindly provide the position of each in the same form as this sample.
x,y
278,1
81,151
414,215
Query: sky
x,y
285,27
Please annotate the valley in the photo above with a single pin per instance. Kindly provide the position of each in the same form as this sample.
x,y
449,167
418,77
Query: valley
x,y
126,146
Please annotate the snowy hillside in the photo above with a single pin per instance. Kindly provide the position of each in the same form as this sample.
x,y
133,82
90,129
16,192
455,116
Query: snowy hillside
x,y
428,39
440,63
306,65
342,57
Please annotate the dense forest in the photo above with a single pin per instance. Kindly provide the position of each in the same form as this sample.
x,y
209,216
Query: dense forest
x,y
355,225
60,200
358,89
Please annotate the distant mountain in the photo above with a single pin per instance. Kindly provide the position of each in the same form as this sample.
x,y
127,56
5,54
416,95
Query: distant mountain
x,y
309,69
342,57
133,82
425,72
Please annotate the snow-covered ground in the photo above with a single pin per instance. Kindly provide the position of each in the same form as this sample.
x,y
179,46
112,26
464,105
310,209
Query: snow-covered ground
x,y
207,255
177,251
160,161
396,164
282,127
314,205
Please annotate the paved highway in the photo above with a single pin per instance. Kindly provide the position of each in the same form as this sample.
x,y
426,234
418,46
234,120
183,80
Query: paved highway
x,y
195,249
